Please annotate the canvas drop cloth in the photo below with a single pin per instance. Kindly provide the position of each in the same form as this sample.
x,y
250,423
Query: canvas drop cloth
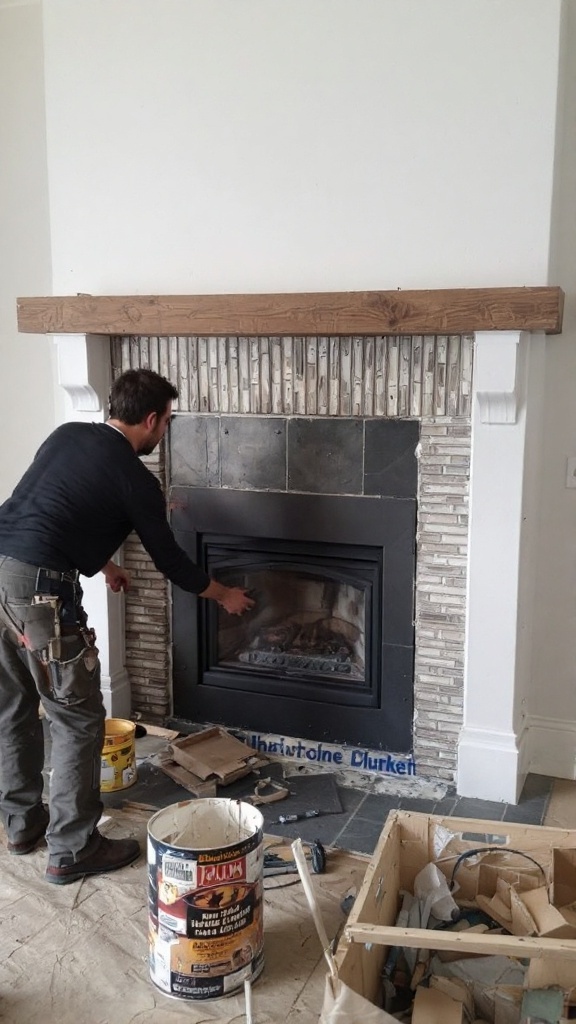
x,y
79,952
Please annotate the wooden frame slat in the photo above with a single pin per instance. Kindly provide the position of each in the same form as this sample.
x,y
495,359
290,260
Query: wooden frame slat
x,y
429,311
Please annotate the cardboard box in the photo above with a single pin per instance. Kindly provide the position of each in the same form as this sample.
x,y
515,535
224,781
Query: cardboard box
x,y
548,920
208,759
564,878
434,1007
408,842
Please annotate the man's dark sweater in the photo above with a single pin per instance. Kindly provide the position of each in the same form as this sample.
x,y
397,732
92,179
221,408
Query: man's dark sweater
x,y
85,491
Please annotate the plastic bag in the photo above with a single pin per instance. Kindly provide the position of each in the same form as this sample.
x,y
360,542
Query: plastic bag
x,y
344,1006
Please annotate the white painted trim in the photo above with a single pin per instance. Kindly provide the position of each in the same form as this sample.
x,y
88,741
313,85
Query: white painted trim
x,y
489,762
551,747
84,372
496,375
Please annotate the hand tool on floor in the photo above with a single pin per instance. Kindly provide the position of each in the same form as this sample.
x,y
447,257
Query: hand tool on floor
x,y
287,819
276,865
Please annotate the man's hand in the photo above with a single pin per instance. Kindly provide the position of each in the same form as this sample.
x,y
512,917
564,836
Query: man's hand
x,y
234,600
117,578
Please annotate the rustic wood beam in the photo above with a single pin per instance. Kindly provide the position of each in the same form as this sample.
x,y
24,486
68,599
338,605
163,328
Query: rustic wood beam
x,y
429,311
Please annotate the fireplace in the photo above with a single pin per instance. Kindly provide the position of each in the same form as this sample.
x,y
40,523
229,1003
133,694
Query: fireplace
x,y
386,355
273,440
328,651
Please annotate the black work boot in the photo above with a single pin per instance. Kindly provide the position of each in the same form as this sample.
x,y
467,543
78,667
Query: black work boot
x,y
29,844
104,855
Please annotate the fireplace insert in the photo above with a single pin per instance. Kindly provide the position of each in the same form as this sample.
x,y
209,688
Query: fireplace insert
x,y
327,651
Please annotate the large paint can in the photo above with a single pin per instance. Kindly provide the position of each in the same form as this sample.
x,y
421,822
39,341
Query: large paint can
x,y
205,871
118,764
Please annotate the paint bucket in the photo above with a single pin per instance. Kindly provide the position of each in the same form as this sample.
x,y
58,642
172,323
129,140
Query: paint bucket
x,y
118,764
205,872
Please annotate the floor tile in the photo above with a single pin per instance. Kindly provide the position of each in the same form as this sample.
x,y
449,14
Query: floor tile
x,y
529,812
445,807
376,807
490,810
417,806
536,785
360,835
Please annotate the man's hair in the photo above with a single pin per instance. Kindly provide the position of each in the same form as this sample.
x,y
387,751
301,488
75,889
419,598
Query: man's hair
x,y
137,393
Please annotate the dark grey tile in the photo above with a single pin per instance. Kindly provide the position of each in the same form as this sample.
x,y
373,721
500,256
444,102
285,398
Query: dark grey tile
x,y
489,810
533,803
360,835
325,828
253,452
375,807
152,787
194,451
418,806
350,798
536,785
390,465
445,807
528,812
325,456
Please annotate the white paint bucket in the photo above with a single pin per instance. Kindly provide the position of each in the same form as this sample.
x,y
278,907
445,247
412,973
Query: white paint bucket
x,y
205,871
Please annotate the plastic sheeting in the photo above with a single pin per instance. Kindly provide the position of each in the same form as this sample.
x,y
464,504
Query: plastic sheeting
x,y
79,952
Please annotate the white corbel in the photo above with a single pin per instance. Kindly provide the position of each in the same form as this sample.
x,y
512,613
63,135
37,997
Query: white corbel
x,y
496,377
82,372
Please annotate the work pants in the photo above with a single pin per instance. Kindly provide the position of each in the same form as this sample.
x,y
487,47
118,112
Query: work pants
x,y
48,655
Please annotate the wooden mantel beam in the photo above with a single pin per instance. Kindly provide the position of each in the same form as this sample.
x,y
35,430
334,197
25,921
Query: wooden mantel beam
x,y
430,311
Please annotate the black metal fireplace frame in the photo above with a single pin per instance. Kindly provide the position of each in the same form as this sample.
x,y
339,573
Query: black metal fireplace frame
x,y
385,524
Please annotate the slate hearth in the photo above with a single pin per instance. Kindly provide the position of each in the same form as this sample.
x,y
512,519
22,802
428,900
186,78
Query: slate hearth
x,y
321,498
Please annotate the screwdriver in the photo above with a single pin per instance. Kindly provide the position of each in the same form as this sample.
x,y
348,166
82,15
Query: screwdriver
x,y
287,819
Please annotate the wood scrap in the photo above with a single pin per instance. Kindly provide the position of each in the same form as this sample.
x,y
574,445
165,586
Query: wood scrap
x,y
193,783
215,753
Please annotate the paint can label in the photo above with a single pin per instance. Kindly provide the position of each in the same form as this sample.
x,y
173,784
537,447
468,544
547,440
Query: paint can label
x,y
206,931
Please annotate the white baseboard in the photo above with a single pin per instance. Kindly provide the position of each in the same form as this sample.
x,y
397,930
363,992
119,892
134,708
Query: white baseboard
x,y
551,747
491,765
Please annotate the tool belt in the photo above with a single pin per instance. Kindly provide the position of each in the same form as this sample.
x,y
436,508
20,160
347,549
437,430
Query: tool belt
x,y
67,576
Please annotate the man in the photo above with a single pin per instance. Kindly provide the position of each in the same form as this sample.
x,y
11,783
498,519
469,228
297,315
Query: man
x,y
85,491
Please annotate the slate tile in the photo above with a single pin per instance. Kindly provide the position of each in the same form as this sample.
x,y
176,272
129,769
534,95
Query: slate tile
x,y
445,807
350,798
489,810
390,464
418,806
376,806
194,451
528,812
325,455
253,452
536,785
360,835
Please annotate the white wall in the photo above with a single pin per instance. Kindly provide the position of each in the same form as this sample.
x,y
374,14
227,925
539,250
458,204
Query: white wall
x,y
26,386
250,145
553,699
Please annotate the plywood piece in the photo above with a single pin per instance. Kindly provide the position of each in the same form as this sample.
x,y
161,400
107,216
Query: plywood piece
x,y
193,783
